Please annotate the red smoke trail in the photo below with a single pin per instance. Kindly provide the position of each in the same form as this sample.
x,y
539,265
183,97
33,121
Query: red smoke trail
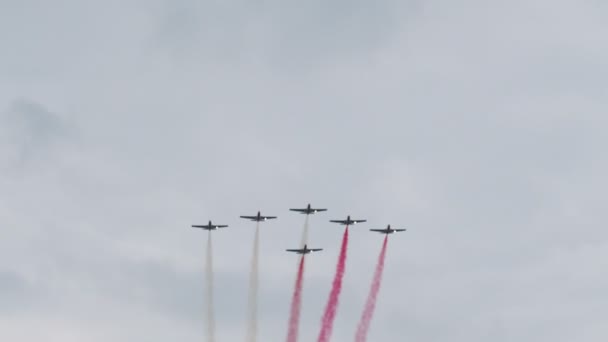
x,y
296,301
327,323
368,312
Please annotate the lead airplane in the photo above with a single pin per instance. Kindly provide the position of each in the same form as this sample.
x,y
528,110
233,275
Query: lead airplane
x,y
387,230
308,210
304,250
348,221
210,226
259,217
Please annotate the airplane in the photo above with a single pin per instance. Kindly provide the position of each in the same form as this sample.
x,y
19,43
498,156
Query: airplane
x,y
259,217
304,250
388,230
308,210
210,226
348,221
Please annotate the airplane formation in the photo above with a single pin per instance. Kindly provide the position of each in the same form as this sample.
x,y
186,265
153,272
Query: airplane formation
x,y
306,211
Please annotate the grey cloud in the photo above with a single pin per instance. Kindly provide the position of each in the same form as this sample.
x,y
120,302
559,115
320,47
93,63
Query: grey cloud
x,y
13,291
478,127
284,33
34,123
28,130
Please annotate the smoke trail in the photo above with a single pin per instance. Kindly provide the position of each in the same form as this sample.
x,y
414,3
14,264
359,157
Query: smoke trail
x,y
368,312
209,279
296,303
304,233
327,322
252,327
296,300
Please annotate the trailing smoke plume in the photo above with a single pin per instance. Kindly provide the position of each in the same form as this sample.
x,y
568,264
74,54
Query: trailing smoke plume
x,y
252,326
304,233
327,321
296,304
209,290
296,300
370,304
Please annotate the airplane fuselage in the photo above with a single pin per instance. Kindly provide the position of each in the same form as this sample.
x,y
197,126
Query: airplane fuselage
x,y
210,226
387,230
258,217
308,210
348,221
305,250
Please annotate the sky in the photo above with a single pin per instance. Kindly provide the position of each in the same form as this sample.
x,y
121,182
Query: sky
x,y
480,126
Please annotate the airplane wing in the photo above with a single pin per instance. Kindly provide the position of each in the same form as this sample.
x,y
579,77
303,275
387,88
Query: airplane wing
x,y
399,230
383,231
338,221
249,217
316,249
320,209
359,221
295,250
299,210
222,226
198,226
268,217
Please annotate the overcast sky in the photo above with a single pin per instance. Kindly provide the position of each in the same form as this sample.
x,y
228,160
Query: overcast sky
x,y
478,125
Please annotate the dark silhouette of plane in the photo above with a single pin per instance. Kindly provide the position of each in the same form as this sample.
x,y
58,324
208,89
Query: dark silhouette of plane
x,y
348,221
308,210
259,217
210,226
387,230
304,250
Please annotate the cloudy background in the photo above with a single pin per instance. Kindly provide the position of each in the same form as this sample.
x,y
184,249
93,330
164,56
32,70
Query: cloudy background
x,y
479,125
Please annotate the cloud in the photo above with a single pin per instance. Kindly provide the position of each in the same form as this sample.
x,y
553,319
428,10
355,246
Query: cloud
x,y
13,292
288,34
477,127
29,131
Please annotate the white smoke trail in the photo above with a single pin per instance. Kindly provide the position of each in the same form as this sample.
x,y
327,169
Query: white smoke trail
x,y
304,233
209,292
252,327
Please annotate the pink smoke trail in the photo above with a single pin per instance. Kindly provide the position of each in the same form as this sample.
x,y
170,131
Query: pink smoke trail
x,y
296,303
368,312
327,322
